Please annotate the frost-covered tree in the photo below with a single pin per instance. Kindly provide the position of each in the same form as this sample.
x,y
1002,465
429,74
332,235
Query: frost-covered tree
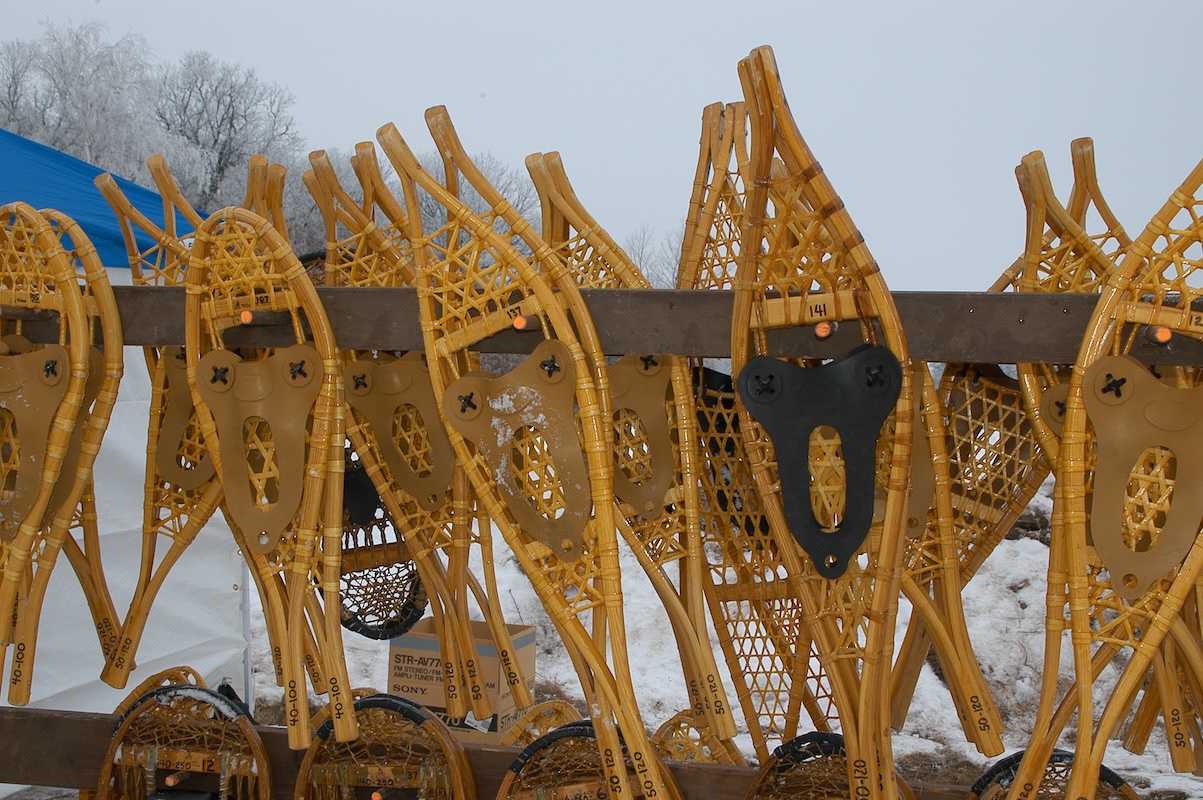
x,y
18,91
229,114
76,91
96,118
111,104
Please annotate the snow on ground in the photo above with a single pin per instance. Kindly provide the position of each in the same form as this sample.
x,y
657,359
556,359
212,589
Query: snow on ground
x,y
1004,605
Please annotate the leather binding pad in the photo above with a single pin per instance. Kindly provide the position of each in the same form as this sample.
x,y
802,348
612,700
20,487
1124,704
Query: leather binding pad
x,y
852,396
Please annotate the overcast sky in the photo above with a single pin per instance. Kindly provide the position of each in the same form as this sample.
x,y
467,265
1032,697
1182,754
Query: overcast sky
x,y
918,111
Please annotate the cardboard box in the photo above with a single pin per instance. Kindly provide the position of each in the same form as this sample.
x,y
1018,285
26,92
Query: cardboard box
x,y
416,673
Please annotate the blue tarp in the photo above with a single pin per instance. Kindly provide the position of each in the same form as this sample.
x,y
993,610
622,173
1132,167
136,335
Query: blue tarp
x,y
46,178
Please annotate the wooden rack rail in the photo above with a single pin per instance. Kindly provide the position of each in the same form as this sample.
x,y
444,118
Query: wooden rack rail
x,y
65,749
972,327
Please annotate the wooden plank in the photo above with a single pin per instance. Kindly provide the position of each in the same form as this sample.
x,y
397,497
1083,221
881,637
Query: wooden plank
x,y
53,748
931,791
975,327
66,749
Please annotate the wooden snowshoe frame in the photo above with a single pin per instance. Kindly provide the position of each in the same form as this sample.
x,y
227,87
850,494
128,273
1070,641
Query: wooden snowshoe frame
x,y
382,589
438,535
996,463
74,495
656,449
538,720
813,765
940,611
758,616
1151,285
39,254
181,488
242,271
996,781
807,248
566,762
401,746
471,284
184,728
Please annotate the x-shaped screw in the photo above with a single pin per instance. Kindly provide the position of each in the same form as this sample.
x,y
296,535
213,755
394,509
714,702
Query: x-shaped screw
x,y
765,384
296,369
361,381
467,401
1115,384
50,369
550,366
219,374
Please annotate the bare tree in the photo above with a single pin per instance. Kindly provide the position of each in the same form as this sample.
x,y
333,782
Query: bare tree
x,y
640,244
656,256
228,113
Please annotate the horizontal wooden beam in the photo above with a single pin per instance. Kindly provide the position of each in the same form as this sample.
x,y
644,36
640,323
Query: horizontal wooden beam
x,y
67,748
940,326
